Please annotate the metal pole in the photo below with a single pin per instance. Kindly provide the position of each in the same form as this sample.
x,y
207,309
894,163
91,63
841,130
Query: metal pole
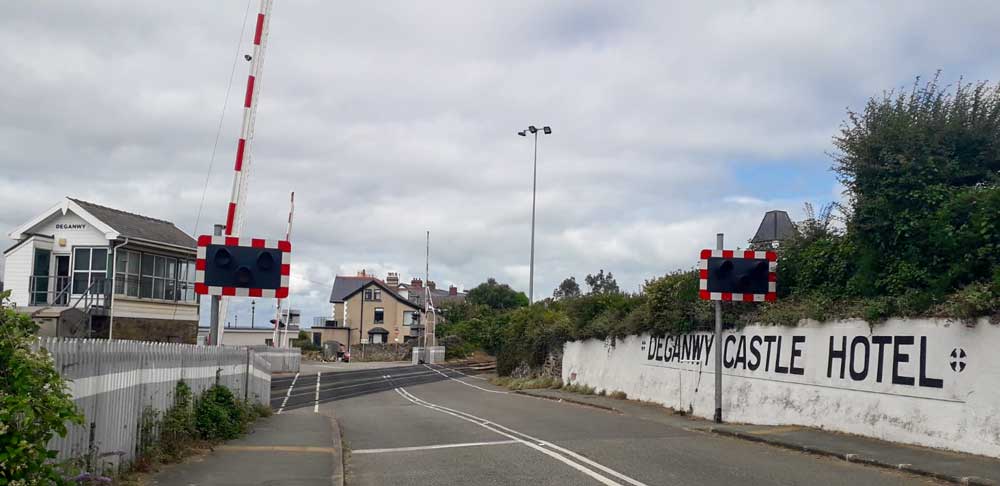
x,y
280,336
253,312
361,323
531,264
718,346
215,332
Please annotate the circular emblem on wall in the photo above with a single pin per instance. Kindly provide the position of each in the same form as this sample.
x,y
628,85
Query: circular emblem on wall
x,y
958,360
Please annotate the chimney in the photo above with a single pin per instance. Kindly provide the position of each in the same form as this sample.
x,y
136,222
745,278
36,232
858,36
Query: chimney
x,y
392,279
416,283
453,290
361,273
431,284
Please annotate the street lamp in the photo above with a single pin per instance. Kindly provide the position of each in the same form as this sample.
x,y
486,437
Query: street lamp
x,y
534,185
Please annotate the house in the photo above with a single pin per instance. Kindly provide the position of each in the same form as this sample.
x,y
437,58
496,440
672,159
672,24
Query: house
x,y
416,292
84,270
367,309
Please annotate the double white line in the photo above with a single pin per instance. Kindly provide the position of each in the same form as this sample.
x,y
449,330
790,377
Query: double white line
x,y
599,472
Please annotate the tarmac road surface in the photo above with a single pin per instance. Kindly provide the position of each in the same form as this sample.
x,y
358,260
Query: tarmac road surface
x,y
431,425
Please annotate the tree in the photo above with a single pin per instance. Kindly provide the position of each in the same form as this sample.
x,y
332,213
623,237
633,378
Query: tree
x,y
35,405
496,296
567,289
601,283
922,172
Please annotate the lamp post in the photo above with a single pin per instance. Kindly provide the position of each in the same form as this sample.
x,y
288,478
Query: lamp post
x,y
253,305
534,185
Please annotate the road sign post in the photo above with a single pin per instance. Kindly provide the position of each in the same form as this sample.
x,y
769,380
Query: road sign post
x,y
718,343
741,276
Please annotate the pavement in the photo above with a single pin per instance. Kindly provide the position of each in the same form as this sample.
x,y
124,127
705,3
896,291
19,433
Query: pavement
x,y
289,449
434,425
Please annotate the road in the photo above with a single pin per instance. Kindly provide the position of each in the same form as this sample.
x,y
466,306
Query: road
x,y
437,426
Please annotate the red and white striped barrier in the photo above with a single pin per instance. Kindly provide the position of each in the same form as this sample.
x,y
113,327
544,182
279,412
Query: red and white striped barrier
x,y
249,114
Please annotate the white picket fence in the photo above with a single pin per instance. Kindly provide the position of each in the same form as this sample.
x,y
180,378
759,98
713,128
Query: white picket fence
x,y
113,382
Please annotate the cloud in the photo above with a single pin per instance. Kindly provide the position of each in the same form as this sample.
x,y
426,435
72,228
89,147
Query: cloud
x,y
391,119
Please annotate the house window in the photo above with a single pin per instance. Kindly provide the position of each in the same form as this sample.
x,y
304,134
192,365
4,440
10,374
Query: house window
x,y
377,338
89,266
154,277
377,293
368,294
379,315
127,273
412,319
158,278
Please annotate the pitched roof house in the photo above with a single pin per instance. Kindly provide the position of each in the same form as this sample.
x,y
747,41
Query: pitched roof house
x,y
86,270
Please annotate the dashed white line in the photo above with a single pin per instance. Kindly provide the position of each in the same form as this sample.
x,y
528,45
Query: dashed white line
x,y
431,447
288,394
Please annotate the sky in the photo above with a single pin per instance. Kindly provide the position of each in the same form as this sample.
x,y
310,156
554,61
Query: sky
x,y
671,121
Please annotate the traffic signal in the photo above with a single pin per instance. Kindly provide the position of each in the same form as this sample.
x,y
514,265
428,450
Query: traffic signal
x,y
747,276
248,267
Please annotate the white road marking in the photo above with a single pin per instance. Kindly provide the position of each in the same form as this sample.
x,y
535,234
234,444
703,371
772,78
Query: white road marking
x,y
316,404
465,375
534,443
430,447
467,384
288,394
368,381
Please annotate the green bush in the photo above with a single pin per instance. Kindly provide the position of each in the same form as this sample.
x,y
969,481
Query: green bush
x,y
218,415
178,428
35,405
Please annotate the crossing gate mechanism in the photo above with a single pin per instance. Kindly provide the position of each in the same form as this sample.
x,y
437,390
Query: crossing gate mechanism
x,y
742,276
243,267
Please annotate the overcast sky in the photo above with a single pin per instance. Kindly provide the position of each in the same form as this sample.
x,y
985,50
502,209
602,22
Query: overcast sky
x,y
672,121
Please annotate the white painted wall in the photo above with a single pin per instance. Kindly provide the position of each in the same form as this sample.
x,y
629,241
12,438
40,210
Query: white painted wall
x,y
960,412
17,270
67,226
243,337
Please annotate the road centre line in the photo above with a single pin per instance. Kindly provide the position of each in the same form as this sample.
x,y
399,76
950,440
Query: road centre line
x,y
467,384
432,447
288,394
537,444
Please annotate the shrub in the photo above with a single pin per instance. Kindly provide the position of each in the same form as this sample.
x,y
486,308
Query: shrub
x,y
618,395
35,405
218,415
178,429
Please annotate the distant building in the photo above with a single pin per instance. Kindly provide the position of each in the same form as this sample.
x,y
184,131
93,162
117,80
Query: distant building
x,y
247,336
366,308
77,263
775,228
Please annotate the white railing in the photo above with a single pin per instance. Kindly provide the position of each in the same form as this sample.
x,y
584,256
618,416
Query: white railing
x,y
113,382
